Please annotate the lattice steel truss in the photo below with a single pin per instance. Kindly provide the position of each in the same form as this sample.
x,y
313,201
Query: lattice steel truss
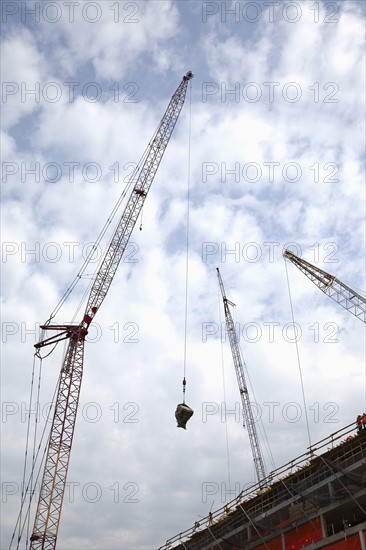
x,y
59,446
143,175
345,296
248,417
46,524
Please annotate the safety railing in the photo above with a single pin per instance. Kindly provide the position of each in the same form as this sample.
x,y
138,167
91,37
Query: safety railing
x,y
225,513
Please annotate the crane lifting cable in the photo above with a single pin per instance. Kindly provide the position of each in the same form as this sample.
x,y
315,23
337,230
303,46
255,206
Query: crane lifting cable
x,y
48,513
183,412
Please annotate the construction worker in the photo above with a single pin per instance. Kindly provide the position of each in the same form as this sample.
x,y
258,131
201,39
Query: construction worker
x,y
359,423
210,518
227,508
363,421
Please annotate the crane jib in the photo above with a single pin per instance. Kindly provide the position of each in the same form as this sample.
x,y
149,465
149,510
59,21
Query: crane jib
x,y
344,295
144,179
249,422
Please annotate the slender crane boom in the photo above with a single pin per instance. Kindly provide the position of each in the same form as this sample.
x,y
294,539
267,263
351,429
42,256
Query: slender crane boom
x,y
144,176
52,490
345,296
239,369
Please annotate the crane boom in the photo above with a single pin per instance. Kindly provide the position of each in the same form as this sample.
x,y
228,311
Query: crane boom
x,y
239,369
345,296
144,176
48,513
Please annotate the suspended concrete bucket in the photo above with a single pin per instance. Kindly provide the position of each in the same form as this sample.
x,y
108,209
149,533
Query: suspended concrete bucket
x,y
183,413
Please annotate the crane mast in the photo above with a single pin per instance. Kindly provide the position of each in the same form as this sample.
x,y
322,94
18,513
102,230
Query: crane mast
x,y
345,296
239,369
48,513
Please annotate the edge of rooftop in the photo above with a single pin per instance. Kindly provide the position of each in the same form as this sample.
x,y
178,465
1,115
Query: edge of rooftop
x,y
294,466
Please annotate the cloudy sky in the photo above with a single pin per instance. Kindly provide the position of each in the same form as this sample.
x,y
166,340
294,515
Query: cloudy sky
x,y
276,160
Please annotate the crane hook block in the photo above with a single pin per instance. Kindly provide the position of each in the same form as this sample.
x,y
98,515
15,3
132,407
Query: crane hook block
x,y
183,413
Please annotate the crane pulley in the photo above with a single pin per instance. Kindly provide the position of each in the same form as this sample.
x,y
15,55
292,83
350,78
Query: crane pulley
x,y
47,519
239,369
345,296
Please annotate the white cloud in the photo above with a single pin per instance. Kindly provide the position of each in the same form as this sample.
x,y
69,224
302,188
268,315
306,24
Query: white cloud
x,y
23,68
124,32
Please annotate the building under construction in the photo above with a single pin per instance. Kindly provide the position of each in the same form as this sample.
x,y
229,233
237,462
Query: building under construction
x,y
318,500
